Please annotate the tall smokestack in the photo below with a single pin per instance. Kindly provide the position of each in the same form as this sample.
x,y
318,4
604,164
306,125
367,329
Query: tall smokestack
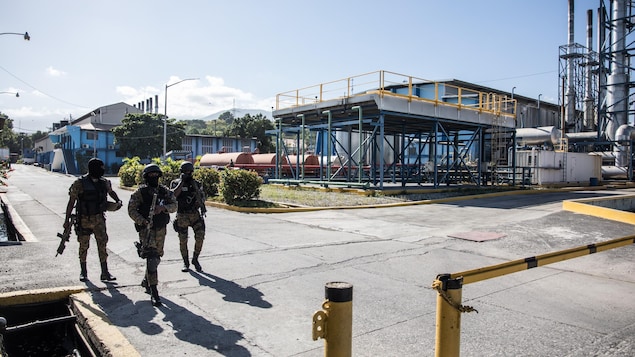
x,y
570,94
156,104
589,113
616,98
617,81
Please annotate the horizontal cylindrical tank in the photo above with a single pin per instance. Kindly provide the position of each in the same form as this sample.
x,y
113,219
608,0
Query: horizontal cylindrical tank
x,y
614,172
268,159
538,136
224,159
335,160
308,160
583,136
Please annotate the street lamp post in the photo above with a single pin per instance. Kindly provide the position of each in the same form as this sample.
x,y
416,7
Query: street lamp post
x,y
165,112
2,120
25,35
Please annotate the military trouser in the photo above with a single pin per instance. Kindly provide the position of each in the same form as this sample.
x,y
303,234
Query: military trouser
x,y
152,245
96,225
183,221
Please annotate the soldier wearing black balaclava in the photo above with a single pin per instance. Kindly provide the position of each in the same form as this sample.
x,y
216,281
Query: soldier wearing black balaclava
x,y
190,213
150,207
88,196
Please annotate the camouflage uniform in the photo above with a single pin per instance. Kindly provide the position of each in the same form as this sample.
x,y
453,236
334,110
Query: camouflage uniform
x,y
90,223
151,242
190,212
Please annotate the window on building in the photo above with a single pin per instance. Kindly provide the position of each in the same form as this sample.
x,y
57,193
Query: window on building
x,y
207,145
186,144
228,145
91,135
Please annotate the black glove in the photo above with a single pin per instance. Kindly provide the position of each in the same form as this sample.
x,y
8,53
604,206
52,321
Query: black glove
x,y
140,251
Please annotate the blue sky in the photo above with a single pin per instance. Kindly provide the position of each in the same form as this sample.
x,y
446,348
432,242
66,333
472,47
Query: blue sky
x,y
85,54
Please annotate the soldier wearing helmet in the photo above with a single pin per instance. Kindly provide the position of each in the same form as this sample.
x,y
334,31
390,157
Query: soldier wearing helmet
x,y
88,196
150,207
190,213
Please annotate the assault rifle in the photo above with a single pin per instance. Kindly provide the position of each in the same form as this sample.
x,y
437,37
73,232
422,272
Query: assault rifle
x,y
200,198
65,236
151,213
139,245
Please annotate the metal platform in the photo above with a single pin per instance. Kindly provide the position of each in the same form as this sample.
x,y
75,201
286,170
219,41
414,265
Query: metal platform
x,y
397,121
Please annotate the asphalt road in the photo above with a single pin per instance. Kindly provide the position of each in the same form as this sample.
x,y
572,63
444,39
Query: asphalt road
x,y
264,276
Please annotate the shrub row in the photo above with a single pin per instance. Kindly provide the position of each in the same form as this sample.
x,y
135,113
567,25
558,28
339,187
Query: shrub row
x,y
233,185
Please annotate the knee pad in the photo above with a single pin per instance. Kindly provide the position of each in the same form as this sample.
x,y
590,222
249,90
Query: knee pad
x,y
179,229
153,264
199,225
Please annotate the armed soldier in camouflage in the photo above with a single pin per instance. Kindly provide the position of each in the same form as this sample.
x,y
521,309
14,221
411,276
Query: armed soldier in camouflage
x,y
190,213
90,193
150,207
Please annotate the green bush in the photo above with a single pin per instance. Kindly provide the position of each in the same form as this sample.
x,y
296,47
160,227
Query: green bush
x,y
240,185
130,171
171,170
209,178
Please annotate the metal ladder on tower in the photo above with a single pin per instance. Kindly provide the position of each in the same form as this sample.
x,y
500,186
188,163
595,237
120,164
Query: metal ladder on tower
x,y
563,146
498,143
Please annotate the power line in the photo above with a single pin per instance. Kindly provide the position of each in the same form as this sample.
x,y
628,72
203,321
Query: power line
x,y
46,94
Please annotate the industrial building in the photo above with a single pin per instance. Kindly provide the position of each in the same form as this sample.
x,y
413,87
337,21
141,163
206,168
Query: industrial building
x,y
383,128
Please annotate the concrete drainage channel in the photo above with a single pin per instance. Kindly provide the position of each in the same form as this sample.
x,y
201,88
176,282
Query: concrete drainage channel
x,y
58,322
53,322
44,329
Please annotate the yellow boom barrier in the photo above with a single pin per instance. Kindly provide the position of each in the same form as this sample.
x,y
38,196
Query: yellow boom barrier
x,y
449,288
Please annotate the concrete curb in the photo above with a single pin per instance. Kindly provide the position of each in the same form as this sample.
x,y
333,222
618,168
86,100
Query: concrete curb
x,y
585,206
104,335
38,295
22,230
399,204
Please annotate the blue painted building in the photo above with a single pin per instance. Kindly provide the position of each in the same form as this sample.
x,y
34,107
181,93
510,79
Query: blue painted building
x,y
72,143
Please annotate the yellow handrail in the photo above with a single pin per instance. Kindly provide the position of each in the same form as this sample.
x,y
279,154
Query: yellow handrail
x,y
381,82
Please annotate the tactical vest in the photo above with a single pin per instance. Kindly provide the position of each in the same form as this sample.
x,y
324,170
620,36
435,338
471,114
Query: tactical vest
x,y
92,198
159,220
187,199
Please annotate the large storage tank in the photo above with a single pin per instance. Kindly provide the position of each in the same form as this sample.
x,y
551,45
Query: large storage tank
x,y
224,159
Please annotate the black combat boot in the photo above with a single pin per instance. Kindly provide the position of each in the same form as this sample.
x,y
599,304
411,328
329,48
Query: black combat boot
x,y
154,296
105,275
195,262
83,275
144,283
186,264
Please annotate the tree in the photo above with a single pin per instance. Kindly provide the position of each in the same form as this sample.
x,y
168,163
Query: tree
x,y
227,117
196,126
8,138
249,127
142,135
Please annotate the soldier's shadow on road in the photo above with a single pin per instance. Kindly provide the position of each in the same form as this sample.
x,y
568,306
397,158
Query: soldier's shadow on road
x,y
122,311
195,329
232,292
187,326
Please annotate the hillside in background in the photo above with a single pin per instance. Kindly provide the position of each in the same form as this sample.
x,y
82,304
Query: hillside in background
x,y
238,113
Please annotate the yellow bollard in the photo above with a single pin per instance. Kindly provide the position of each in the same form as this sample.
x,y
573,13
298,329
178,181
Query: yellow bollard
x,y
335,322
448,332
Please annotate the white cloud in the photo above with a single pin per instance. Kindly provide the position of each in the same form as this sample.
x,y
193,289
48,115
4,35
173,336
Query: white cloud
x,y
195,99
55,72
